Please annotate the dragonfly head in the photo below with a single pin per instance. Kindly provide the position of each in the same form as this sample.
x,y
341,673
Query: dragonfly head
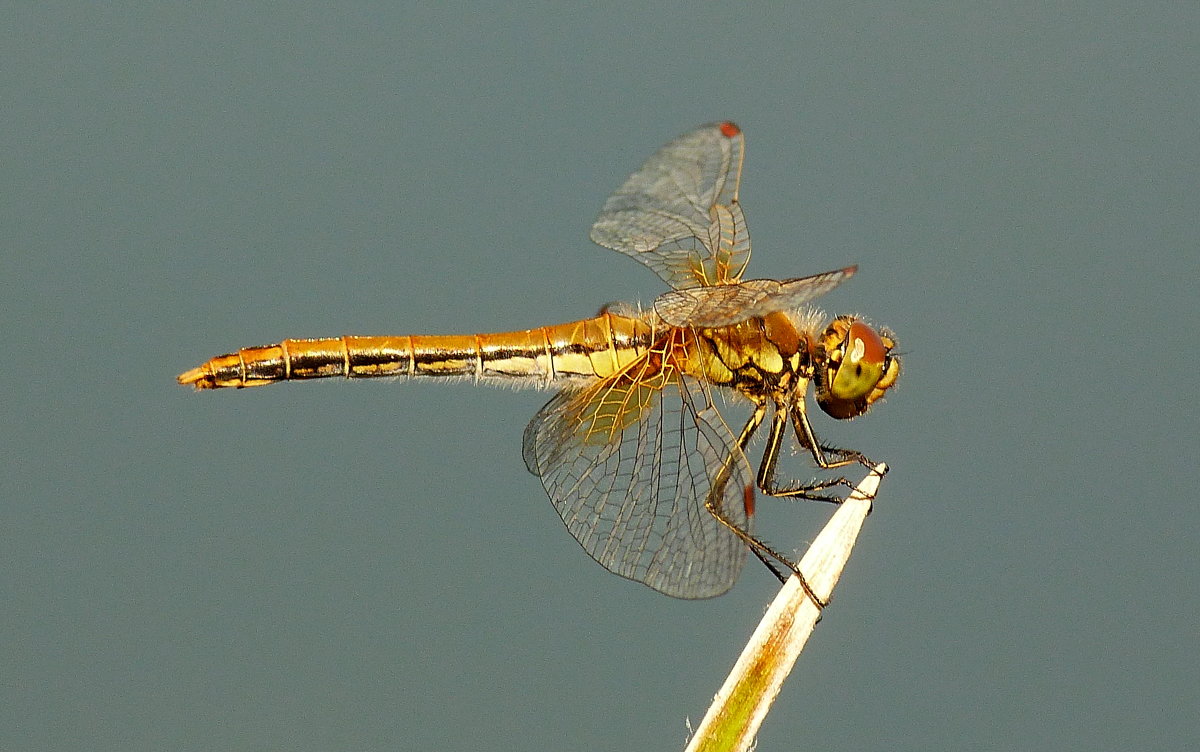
x,y
859,367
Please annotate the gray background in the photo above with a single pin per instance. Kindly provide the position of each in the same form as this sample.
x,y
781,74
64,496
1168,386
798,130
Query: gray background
x,y
368,566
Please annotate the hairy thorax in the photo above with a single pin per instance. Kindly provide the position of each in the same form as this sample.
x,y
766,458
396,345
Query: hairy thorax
x,y
757,356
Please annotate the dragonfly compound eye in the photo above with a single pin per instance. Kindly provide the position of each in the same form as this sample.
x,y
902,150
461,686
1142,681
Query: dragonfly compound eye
x,y
860,368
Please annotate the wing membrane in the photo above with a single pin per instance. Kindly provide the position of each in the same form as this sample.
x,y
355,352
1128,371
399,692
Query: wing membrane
x,y
726,305
679,213
628,464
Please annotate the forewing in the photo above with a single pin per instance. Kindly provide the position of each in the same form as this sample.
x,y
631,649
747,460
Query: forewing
x,y
679,213
628,464
725,305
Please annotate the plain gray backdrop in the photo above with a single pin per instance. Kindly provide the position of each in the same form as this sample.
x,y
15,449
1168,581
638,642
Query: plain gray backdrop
x,y
368,566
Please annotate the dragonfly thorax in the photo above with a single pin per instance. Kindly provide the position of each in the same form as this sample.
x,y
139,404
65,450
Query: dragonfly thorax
x,y
763,355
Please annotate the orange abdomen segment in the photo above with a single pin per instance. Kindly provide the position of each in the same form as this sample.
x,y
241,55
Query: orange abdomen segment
x,y
590,348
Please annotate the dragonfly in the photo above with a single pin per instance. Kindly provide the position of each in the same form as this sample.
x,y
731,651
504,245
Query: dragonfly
x,y
632,449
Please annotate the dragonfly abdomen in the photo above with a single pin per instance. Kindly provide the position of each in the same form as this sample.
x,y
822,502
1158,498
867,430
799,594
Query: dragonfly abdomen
x,y
545,356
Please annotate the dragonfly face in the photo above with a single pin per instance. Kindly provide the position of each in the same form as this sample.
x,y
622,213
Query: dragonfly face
x,y
632,450
857,369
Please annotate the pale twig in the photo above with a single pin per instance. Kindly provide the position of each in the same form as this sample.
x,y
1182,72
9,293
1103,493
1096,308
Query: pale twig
x,y
733,719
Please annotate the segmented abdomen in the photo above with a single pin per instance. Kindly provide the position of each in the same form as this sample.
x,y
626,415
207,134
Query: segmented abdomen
x,y
585,349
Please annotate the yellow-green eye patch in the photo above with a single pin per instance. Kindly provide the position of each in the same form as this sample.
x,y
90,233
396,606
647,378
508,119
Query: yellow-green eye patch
x,y
862,363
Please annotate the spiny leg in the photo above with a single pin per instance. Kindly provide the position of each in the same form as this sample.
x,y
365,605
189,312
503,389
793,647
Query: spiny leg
x,y
766,469
761,550
808,440
760,411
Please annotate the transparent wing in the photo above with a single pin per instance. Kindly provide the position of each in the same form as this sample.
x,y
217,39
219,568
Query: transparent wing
x,y
679,213
628,464
728,304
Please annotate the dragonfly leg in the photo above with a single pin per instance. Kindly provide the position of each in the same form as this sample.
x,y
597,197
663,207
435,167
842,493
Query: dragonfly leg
x,y
760,411
808,439
712,503
766,469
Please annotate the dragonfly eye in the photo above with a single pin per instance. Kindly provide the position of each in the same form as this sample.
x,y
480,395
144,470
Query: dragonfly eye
x,y
859,368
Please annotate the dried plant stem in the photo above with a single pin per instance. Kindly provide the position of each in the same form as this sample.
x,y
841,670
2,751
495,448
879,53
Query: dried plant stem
x,y
737,711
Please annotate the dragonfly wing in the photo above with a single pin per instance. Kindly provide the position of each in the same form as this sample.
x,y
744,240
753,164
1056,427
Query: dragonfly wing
x,y
679,213
628,465
725,305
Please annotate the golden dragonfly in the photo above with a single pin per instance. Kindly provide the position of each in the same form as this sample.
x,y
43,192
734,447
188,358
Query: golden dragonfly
x,y
633,450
